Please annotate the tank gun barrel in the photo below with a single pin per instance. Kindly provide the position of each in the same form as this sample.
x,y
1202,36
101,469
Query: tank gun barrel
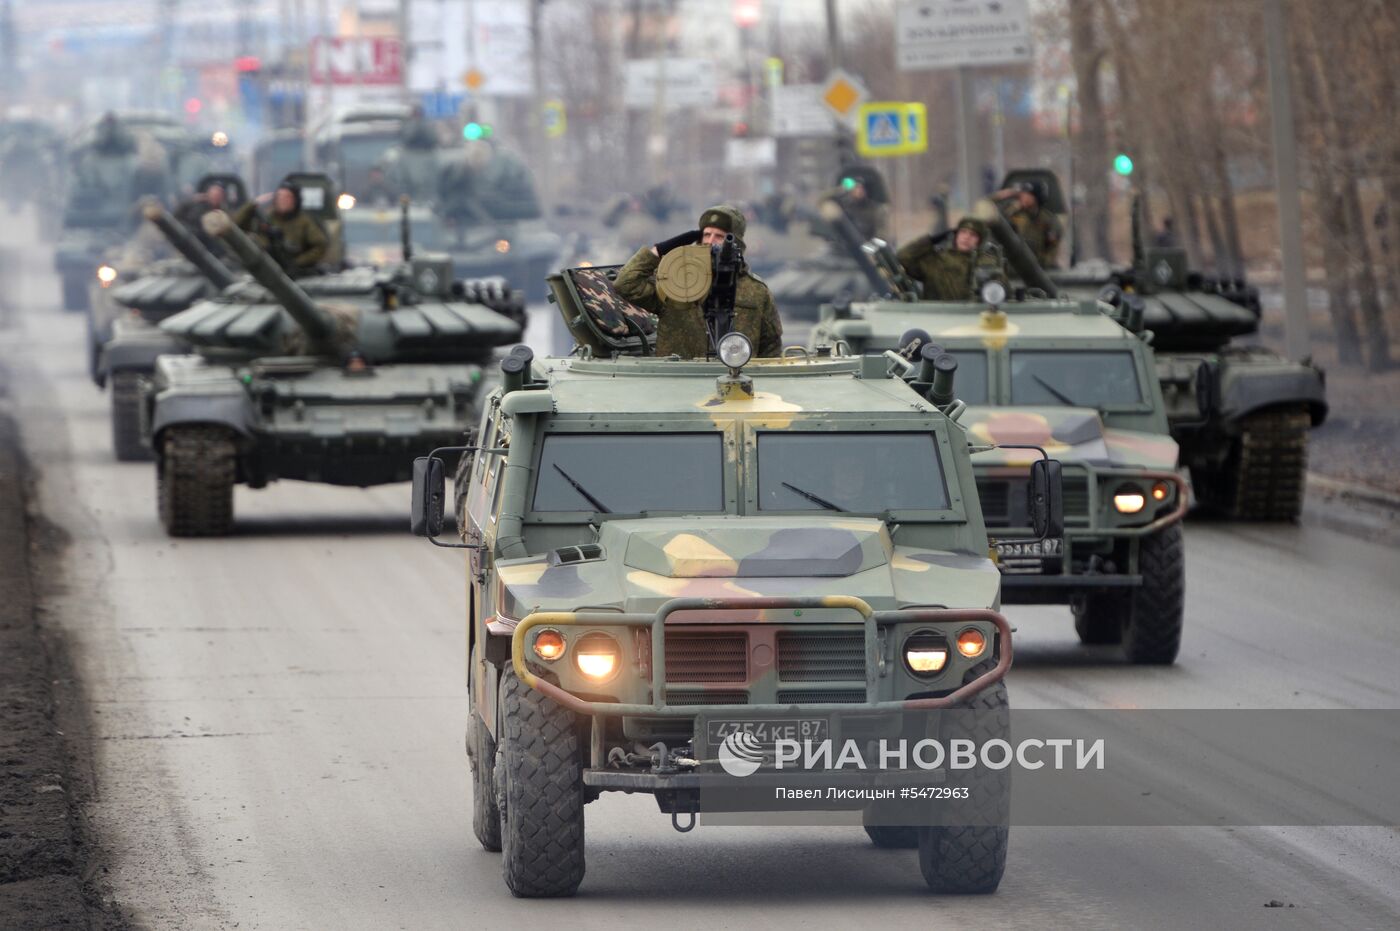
x,y
1018,254
318,325
189,246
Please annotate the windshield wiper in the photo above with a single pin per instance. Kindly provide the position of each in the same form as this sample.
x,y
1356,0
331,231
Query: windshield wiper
x,y
814,498
598,506
1059,395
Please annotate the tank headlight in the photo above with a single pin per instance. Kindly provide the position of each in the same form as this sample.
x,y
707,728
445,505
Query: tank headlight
x,y
598,657
503,246
1160,491
971,643
1129,500
106,274
925,653
993,292
219,139
735,350
345,201
549,644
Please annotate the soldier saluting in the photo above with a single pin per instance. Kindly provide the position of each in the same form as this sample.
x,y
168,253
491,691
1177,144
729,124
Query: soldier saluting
x,y
953,266
292,236
681,326
1024,206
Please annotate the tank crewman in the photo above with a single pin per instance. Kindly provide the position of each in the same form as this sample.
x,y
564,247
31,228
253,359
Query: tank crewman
x,y
953,265
681,326
192,211
291,236
861,194
1037,226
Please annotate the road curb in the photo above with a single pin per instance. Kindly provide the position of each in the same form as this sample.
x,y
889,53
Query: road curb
x,y
1352,508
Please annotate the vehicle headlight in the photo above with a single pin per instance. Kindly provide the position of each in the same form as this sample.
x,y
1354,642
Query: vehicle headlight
x,y
1160,491
598,657
925,653
345,201
106,274
735,350
503,246
219,139
993,292
549,644
971,643
1129,499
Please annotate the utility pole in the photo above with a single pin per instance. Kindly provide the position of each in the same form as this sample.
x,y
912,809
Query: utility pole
x,y
1290,211
833,35
542,147
967,135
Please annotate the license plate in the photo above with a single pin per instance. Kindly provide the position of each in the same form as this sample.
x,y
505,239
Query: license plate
x,y
769,732
1024,549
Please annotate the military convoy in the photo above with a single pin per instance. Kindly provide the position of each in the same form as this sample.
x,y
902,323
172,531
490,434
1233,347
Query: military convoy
x,y
664,551
1246,445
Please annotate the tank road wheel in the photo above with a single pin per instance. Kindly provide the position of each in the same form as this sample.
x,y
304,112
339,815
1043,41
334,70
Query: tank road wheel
x,y
539,787
486,814
893,838
126,418
1153,630
963,859
1273,462
1098,619
194,481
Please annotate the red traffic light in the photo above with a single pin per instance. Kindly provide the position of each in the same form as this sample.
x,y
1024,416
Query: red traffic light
x,y
741,129
193,105
246,63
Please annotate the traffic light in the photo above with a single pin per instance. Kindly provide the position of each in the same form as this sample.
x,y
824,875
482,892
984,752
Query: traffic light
x,y
474,131
1123,164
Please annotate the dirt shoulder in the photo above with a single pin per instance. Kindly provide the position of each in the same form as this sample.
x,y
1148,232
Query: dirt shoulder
x,y
49,870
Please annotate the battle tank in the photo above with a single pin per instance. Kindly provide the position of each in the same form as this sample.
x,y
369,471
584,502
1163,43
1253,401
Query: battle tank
x,y
1247,446
344,387
1042,372
672,558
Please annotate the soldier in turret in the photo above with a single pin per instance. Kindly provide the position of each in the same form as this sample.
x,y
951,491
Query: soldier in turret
x,y
292,236
1023,205
681,328
953,265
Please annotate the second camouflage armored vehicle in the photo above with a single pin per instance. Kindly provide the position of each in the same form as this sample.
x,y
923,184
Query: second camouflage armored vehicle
x,y
343,389
671,558
1065,377
1247,445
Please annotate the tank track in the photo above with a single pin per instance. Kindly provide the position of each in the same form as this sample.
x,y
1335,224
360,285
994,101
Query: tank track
x,y
194,483
127,442
1272,465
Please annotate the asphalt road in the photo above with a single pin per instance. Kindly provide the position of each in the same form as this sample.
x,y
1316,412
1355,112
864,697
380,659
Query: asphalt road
x,y
278,720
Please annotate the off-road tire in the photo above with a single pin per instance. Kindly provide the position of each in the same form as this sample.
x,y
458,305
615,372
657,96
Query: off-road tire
x,y
1152,634
970,859
481,757
127,442
194,480
539,788
1270,466
893,838
75,293
1098,620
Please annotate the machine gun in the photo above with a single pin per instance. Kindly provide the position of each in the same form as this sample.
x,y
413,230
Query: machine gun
x,y
726,262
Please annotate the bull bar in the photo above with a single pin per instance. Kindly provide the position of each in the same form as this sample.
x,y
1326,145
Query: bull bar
x,y
872,621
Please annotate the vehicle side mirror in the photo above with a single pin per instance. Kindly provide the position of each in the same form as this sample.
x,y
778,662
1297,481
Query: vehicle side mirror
x,y
1205,388
1045,499
429,493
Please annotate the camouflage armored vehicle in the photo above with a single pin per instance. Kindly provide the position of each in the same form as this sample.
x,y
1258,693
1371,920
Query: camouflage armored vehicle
x,y
343,388
663,552
1247,448
1065,376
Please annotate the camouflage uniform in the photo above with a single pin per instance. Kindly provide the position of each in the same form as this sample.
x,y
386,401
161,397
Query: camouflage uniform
x,y
301,242
947,274
1039,228
681,327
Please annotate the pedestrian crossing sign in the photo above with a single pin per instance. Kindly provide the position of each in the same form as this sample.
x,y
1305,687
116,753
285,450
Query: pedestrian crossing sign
x,y
891,128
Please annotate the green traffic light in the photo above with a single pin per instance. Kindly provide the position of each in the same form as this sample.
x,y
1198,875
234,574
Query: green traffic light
x,y
848,183
1123,164
473,131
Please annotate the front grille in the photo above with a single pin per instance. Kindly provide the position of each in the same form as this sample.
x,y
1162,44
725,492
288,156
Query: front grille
x,y
821,656
682,697
819,696
1004,500
706,657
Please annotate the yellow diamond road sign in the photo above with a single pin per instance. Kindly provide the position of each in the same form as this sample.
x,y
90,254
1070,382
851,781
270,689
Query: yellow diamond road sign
x,y
842,94
473,79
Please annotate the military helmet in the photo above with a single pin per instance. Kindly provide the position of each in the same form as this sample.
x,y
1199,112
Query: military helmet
x,y
977,226
1036,189
726,217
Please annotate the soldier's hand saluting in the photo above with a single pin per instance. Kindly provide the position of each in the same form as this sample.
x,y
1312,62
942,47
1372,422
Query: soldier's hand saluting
x,y
688,238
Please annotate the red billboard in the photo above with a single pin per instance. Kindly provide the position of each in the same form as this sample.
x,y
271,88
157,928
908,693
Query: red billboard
x,y
367,61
